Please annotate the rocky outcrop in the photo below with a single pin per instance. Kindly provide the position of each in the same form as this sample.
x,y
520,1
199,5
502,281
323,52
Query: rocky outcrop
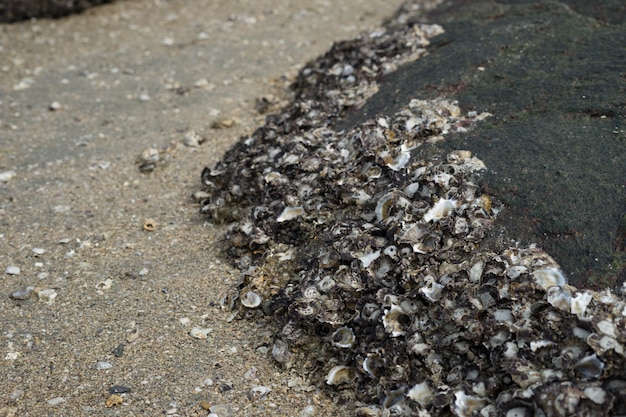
x,y
15,10
552,75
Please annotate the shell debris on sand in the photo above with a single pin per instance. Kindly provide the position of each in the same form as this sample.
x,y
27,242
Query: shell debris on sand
x,y
391,299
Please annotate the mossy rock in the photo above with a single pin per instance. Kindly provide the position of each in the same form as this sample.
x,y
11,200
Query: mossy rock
x,y
553,76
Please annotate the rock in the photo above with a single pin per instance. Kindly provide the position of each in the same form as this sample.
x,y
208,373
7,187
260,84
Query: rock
x,y
12,270
118,389
555,147
14,10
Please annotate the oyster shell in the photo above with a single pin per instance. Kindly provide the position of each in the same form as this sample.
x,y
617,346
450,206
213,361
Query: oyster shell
x,y
377,263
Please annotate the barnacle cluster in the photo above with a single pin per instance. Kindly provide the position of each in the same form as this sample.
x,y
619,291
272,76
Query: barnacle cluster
x,y
370,255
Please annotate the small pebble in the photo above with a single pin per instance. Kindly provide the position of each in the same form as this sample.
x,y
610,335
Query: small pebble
x,y
56,401
193,139
222,410
143,271
43,275
258,392
101,365
308,411
12,270
200,333
223,124
22,293
205,405
54,106
118,389
118,352
113,400
149,225
144,97
47,296
6,175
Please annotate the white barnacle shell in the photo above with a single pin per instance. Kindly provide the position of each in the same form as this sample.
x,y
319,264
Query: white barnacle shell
x,y
374,365
440,210
400,161
421,393
580,302
340,374
559,297
343,337
607,328
589,367
290,213
432,290
476,271
368,258
251,299
549,277
395,320
467,405
383,207
595,394
443,179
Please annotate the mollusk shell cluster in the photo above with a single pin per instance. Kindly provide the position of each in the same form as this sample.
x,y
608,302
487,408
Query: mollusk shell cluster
x,y
370,259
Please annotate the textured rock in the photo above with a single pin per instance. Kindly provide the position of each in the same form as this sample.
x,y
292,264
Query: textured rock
x,y
552,75
15,10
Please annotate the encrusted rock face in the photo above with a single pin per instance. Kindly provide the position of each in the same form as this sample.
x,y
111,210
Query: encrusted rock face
x,y
368,251
14,10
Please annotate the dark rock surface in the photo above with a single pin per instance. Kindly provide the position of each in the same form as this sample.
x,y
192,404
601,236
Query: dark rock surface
x,y
15,10
553,76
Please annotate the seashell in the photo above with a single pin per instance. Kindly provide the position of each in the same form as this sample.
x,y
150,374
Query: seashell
x,y
340,374
370,312
305,307
383,207
374,365
440,210
411,189
467,405
290,213
326,284
596,394
503,315
391,251
343,337
589,368
520,412
476,271
369,411
200,332
460,226
421,393
443,180
432,290
281,353
535,345
251,299
602,344
400,162
515,271
549,277
310,292
607,328
559,297
368,258
579,303
392,402
396,321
